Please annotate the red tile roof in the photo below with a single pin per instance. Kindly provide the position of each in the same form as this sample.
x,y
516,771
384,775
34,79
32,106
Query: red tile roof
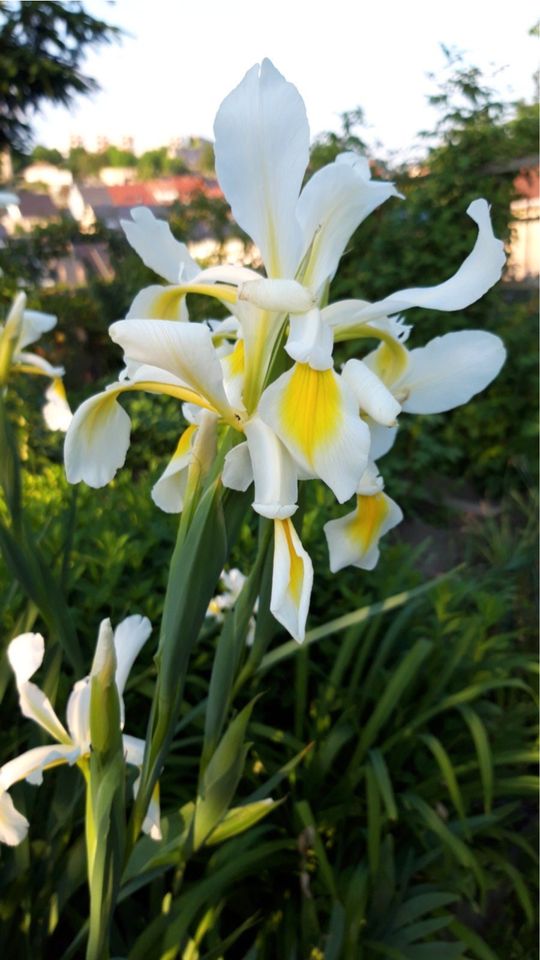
x,y
527,183
163,190
131,195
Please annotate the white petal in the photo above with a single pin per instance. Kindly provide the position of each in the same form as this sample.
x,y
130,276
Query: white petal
x,y
315,414
373,397
25,655
331,206
134,754
34,324
183,349
56,411
311,340
14,320
450,370
158,249
292,580
354,538
39,364
31,764
481,269
159,303
276,487
36,706
13,826
237,469
168,492
97,440
78,714
129,638
262,151
382,439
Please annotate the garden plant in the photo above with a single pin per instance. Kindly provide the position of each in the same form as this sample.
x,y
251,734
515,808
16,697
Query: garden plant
x,y
354,785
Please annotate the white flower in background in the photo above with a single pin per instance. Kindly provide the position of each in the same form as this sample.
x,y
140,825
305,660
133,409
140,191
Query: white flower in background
x,y
232,582
56,410
72,746
311,421
22,328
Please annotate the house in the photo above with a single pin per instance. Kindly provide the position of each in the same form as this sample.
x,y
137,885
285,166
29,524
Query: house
x,y
31,210
111,203
117,176
55,179
524,260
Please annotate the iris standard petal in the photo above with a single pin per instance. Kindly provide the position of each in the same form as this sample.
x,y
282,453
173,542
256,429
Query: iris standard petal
x,y
157,247
331,206
129,638
450,370
315,414
78,714
292,580
25,654
262,151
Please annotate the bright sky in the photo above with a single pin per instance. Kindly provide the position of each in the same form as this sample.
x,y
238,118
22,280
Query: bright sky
x,y
168,77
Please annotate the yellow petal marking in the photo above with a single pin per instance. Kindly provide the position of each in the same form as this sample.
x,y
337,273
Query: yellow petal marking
x,y
59,389
369,517
184,442
296,568
235,360
310,409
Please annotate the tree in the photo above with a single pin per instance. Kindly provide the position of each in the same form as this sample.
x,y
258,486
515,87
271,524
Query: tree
x,y
47,155
42,47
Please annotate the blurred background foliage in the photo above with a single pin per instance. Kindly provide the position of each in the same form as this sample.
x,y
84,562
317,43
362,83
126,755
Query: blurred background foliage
x,y
402,746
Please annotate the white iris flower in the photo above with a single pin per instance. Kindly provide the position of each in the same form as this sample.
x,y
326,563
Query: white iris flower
x,y
22,328
311,421
72,746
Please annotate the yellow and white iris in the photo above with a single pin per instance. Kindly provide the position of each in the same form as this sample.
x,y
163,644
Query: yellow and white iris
x,y
311,421
22,328
25,654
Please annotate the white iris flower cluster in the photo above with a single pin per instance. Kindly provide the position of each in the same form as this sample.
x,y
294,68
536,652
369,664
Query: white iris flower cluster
x,y
311,421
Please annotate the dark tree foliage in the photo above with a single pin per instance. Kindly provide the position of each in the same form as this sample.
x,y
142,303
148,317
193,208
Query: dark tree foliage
x,y
42,47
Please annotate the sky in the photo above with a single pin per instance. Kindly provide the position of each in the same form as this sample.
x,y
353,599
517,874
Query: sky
x,y
180,58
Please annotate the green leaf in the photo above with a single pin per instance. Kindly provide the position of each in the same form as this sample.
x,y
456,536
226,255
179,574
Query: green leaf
x,y
400,679
221,777
473,941
453,844
373,821
349,619
483,752
240,819
420,905
382,777
447,771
